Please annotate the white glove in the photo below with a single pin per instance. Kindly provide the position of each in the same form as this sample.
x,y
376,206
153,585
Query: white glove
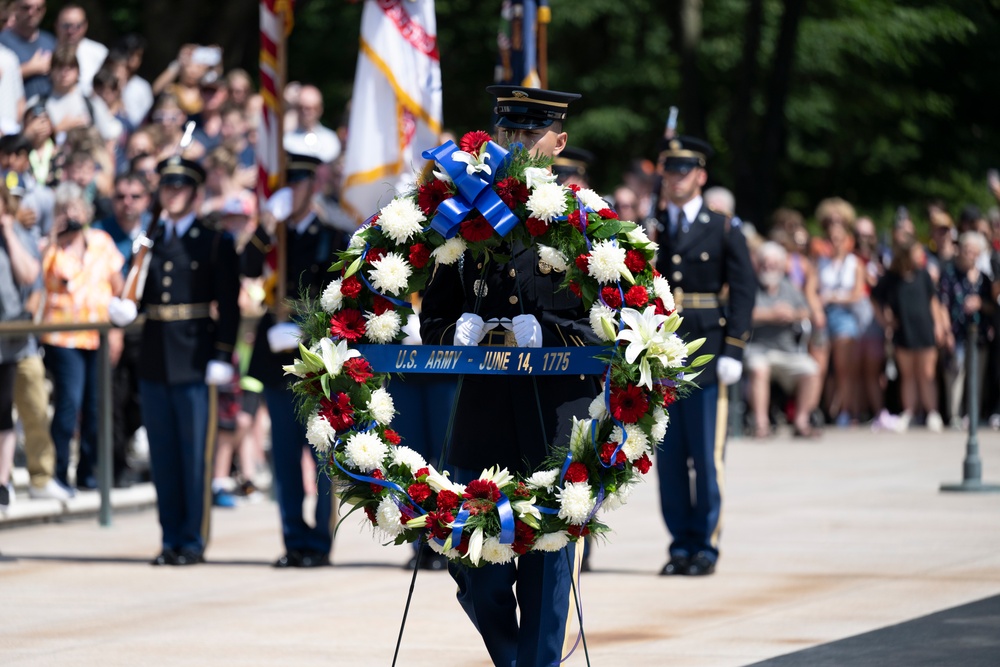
x,y
412,330
283,337
122,312
469,329
527,331
218,373
729,370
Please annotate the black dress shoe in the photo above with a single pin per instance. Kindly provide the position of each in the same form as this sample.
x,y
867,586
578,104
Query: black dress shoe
x,y
313,559
290,559
676,565
189,557
165,557
700,566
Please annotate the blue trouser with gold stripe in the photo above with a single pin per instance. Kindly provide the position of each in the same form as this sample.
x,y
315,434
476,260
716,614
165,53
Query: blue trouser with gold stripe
x,y
696,431
180,454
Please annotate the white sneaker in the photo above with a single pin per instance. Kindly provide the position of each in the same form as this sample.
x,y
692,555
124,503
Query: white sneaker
x,y
903,423
934,422
995,421
52,490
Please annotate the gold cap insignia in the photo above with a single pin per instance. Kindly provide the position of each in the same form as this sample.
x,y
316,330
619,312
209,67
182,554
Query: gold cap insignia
x,y
519,93
675,145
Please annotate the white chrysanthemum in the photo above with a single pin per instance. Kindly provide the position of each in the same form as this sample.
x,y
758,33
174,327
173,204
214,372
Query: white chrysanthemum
x,y
381,407
617,499
320,433
388,517
553,258
599,312
660,421
591,199
494,552
598,409
673,352
449,252
391,273
636,443
401,219
576,502
332,298
450,554
551,541
365,451
607,262
382,328
661,288
404,456
547,201
358,242
544,479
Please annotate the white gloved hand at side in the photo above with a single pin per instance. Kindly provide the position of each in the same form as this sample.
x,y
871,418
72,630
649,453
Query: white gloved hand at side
x,y
283,337
729,370
527,331
122,312
469,329
219,373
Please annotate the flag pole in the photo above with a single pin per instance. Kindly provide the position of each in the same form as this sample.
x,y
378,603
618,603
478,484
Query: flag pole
x,y
544,18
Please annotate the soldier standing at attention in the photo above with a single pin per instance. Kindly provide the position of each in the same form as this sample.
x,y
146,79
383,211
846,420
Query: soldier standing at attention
x,y
528,628
185,353
701,252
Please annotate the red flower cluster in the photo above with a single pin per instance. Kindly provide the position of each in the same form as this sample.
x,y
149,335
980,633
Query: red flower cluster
x,y
392,437
637,296
431,194
583,261
475,229
575,289
382,305
608,450
421,473
419,492
524,538
607,214
447,500
612,296
536,227
370,513
628,403
576,473
472,142
669,395
660,308
337,410
643,464
574,188
351,287
577,219
348,324
635,261
420,254
482,489
521,492
358,369
375,254
579,531
512,191
437,523
376,489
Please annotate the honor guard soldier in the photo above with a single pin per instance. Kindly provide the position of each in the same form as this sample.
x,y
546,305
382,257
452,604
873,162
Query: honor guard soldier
x,y
701,253
192,273
571,166
308,252
510,421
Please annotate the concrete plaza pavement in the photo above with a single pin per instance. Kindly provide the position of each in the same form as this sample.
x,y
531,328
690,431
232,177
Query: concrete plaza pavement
x,y
822,540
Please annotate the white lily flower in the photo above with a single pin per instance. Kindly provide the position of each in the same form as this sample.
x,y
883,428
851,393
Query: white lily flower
x,y
475,552
643,333
439,481
442,176
536,175
526,508
308,363
499,477
472,163
334,356
580,437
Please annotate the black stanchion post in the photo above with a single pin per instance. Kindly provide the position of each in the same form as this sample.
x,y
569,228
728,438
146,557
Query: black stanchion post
x,y
972,467
105,455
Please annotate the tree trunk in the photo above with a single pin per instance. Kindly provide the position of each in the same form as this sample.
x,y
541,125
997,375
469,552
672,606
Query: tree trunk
x,y
744,177
684,20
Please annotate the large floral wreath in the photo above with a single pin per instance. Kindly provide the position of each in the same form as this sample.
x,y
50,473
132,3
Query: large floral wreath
x,y
479,195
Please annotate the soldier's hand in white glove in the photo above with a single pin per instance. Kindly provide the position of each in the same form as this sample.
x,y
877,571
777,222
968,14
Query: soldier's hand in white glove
x,y
122,312
469,329
527,331
283,337
219,373
729,370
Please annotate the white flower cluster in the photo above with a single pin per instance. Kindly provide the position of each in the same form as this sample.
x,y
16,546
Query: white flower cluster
x,y
551,541
598,409
391,273
617,499
635,444
544,479
660,421
553,258
673,351
607,262
388,517
381,407
411,459
320,433
449,252
547,201
599,312
661,288
591,199
332,298
382,328
365,451
494,552
401,219
576,502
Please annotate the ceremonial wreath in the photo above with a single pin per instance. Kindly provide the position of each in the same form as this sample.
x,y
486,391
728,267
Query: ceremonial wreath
x,y
479,198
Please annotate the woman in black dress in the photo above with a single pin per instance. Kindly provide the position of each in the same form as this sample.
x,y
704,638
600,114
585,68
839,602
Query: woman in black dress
x,y
907,306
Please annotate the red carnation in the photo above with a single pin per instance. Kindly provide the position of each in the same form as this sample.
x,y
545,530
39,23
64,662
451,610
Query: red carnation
x,y
447,500
612,296
370,513
422,472
577,219
573,187
536,227
521,492
419,255
628,403
637,296
377,488
419,492
338,411
643,464
392,437
669,396
382,305
582,262
608,450
578,531
375,254
351,287
358,369
607,214
431,194
660,308
482,489
475,229
512,191
576,473
437,523
472,142
635,261
524,538
575,289
348,324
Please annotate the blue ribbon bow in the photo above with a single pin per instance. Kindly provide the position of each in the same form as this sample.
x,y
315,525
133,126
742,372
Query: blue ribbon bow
x,y
475,191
